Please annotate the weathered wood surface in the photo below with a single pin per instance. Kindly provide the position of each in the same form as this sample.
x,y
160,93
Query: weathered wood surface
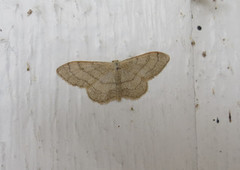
x,y
47,124
217,86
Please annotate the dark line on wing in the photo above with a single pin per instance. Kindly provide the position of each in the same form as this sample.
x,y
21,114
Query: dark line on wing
x,y
86,72
97,79
103,92
100,71
154,65
73,76
135,86
137,71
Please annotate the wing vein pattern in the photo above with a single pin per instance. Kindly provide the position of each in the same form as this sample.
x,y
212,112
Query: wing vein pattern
x,y
108,81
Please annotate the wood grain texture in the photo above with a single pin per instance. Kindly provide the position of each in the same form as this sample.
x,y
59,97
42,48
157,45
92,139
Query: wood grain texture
x,y
182,122
217,86
46,124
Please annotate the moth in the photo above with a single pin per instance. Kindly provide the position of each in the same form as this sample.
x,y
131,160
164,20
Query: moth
x,y
108,81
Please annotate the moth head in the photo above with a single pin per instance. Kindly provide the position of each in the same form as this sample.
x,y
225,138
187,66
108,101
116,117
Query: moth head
x,y
116,63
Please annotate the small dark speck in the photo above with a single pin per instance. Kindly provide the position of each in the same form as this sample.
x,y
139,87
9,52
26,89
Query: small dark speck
x,y
199,28
228,67
204,54
217,120
213,119
220,151
196,106
28,67
229,116
215,8
118,126
132,109
183,15
213,91
29,12
223,39
193,43
0,30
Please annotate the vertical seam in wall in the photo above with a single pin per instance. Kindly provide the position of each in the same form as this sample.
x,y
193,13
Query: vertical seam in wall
x,y
194,90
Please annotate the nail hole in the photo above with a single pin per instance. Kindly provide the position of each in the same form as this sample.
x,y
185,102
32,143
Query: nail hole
x,y
199,28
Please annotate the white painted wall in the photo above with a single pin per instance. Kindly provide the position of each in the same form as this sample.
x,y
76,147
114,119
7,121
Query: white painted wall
x,y
45,124
217,83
